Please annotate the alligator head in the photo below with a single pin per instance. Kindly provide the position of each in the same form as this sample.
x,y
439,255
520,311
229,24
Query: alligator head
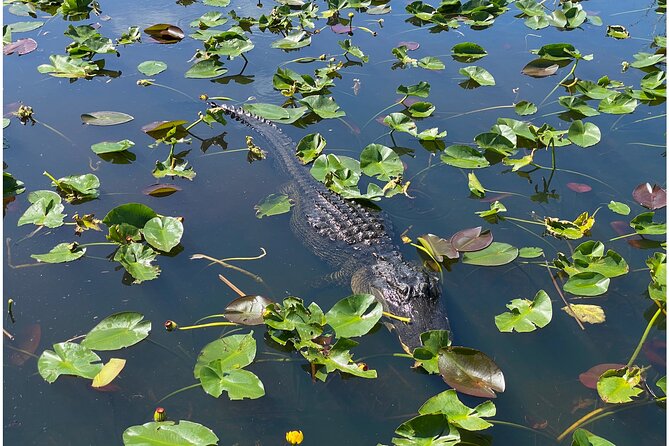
x,y
405,290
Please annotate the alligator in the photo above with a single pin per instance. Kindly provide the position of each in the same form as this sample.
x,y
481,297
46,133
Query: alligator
x,y
354,238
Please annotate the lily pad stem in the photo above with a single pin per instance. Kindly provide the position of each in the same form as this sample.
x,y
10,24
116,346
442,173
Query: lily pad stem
x,y
623,236
49,176
571,72
199,120
520,220
557,288
210,324
519,426
644,336
85,245
406,320
179,391
385,109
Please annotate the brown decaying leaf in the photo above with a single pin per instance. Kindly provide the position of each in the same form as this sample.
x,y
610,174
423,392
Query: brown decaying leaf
x,y
540,68
651,197
165,33
472,239
161,190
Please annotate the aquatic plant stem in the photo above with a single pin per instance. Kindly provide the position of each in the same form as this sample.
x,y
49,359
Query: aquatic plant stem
x,y
169,395
210,324
385,109
644,336
623,236
406,320
571,72
504,217
496,107
86,245
557,288
231,285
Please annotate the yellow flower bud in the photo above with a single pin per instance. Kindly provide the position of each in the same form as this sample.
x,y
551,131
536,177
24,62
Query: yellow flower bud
x,y
159,415
294,437
171,325
204,97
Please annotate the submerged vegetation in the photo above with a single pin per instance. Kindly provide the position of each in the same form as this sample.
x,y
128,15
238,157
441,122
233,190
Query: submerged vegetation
x,y
576,265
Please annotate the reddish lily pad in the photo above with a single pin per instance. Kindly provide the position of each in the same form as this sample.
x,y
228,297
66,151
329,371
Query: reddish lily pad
x,y
472,239
21,47
579,187
165,33
470,371
411,46
651,197
438,247
342,29
589,379
540,68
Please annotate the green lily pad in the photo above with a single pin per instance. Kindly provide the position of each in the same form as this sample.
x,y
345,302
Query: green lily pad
x,y
431,63
235,352
592,314
494,255
111,147
151,67
582,437
479,75
310,147
169,433
475,186
238,384
429,429
618,104
22,27
274,204
68,67
354,315
78,187
432,342
587,284
464,157
382,162
577,105
524,108
421,109
136,258
619,386
294,40
467,52
63,252
324,107
163,233
68,358
106,118
206,69
584,134
45,210
619,208
117,331
421,90
530,252
401,123
134,214
448,403
525,315
644,224
539,68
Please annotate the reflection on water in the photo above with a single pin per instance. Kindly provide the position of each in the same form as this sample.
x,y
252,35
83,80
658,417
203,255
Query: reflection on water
x,y
66,300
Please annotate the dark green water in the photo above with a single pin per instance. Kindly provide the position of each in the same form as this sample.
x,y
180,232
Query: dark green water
x,y
541,368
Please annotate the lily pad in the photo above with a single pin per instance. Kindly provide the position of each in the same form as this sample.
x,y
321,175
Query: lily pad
x,y
438,247
525,315
494,255
472,239
274,204
540,68
354,315
587,284
644,224
161,190
163,233
471,372
21,47
151,67
68,358
524,108
111,147
458,414
467,52
63,252
136,258
247,310
117,331
464,157
651,197
45,210
382,162
584,134
479,75
22,27
530,252
324,107
108,373
619,208
421,90
592,314
619,386
106,118
206,69
429,429
294,40
310,147
165,33
590,377
582,437
135,214
169,433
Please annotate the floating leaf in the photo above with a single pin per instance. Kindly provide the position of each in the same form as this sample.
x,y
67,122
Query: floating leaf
x,y
590,377
411,46
169,433
22,27
354,315
472,239
584,134
494,255
458,414
464,157
592,314
163,233
579,187
471,372
437,247
577,105
63,252
161,190
206,69
619,208
151,67
474,185
401,123
160,129
524,108
209,19
136,259
108,373
582,437
467,52
310,147
421,90
530,252
324,107
21,47
618,104
617,32
431,63
642,224
117,331
165,33
45,210
135,214
540,68
478,75
68,358
294,40
105,118
432,342
111,147
382,162
273,204
77,187
429,429
525,315
620,385
247,310
421,109
587,284
651,197
68,67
